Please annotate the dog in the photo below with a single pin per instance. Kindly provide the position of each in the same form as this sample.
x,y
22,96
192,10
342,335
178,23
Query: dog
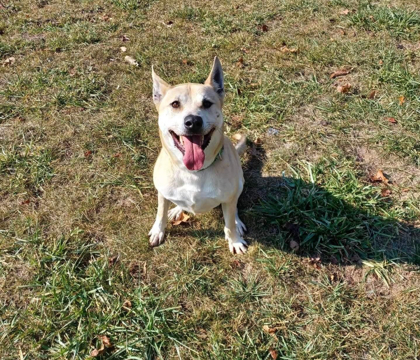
x,y
198,167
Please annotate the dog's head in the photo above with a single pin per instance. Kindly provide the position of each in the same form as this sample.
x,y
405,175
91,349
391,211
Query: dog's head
x,y
191,119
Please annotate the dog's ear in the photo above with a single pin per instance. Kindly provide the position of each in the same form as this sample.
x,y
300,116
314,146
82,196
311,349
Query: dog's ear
x,y
215,78
160,88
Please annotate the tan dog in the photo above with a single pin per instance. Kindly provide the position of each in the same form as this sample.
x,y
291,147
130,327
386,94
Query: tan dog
x,y
198,167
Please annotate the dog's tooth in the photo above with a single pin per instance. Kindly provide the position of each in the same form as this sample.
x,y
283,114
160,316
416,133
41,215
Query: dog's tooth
x,y
181,140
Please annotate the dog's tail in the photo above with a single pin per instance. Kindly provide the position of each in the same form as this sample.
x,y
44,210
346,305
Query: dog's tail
x,y
241,145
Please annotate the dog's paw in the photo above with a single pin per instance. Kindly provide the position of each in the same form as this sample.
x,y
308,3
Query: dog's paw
x,y
156,236
240,226
174,213
238,247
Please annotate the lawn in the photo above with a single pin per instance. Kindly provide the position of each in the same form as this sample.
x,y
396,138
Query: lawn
x,y
332,171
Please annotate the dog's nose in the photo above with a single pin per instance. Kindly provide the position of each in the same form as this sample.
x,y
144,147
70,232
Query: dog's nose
x,y
193,123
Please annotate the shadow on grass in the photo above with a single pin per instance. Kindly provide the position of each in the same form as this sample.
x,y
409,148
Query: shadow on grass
x,y
332,215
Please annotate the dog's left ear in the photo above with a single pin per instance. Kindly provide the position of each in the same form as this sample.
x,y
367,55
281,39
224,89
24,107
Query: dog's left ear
x,y
160,88
215,78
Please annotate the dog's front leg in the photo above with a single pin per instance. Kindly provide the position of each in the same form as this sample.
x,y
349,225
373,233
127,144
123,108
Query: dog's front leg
x,y
157,232
237,245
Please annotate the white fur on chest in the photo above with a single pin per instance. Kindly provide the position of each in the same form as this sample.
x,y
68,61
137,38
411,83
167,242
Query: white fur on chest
x,y
199,192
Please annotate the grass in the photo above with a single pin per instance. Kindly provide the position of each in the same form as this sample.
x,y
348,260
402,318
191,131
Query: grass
x,y
332,270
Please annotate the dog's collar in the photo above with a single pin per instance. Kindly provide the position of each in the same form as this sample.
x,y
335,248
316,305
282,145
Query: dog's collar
x,y
218,156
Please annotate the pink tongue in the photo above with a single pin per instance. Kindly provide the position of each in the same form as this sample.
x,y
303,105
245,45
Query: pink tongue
x,y
194,154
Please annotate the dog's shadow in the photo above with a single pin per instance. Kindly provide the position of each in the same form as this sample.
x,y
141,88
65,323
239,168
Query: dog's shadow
x,y
297,216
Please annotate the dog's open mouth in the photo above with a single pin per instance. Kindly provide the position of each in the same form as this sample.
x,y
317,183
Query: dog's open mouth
x,y
192,148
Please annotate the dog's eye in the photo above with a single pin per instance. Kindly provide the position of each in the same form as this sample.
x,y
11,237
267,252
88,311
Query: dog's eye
x,y
175,104
207,104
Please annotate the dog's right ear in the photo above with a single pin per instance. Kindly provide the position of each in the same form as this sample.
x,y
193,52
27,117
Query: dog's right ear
x,y
160,88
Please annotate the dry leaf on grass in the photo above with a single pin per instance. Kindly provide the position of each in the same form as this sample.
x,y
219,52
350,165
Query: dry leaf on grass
x,y
340,73
9,61
113,260
344,89
285,49
273,353
269,330
385,192
401,100
315,262
183,218
240,62
264,28
379,177
345,12
392,120
123,49
372,94
106,344
131,60
126,305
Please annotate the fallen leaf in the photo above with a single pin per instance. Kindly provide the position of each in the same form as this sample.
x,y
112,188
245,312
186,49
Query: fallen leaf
x,y
9,61
379,177
386,192
125,38
26,202
269,330
345,12
123,49
240,62
88,153
273,353
105,341
392,120
402,100
131,60
264,28
315,262
344,89
183,218
294,245
113,260
380,62
340,73
97,352
285,49
117,155
127,304
372,94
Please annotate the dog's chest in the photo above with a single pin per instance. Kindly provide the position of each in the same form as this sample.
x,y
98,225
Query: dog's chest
x,y
199,194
